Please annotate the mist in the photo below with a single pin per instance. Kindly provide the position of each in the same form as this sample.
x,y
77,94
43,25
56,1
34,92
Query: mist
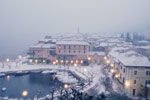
x,y
23,22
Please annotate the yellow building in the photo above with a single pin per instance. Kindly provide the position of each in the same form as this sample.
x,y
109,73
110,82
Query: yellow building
x,y
132,71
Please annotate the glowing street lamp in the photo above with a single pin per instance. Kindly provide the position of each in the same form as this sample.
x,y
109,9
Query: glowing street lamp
x,y
19,57
66,61
71,61
54,62
75,65
62,61
81,61
30,60
7,60
77,61
24,93
112,65
65,86
8,77
89,58
84,69
57,61
117,75
127,83
44,61
108,61
105,58
36,61
112,70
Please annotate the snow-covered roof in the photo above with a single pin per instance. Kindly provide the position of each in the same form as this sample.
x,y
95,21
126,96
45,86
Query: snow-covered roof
x,y
130,58
40,45
97,52
104,44
143,47
72,42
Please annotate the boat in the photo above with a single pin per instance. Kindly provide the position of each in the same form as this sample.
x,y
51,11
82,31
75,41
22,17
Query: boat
x,y
2,74
35,71
49,72
3,89
19,73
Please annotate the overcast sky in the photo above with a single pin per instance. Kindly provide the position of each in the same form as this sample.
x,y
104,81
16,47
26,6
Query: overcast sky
x,y
22,22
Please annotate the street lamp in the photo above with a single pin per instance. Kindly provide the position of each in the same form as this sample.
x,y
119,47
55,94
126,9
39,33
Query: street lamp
x,y
84,69
105,58
71,61
112,70
19,57
108,61
65,86
127,83
7,60
81,62
24,93
62,61
36,61
89,58
112,65
8,77
75,65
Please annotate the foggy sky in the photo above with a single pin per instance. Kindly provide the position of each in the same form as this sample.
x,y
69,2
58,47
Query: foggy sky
x,y
22,22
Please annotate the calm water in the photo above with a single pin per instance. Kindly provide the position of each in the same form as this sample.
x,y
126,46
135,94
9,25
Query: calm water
x,y
31,82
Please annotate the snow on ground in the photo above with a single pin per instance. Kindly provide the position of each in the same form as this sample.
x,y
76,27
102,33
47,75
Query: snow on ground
x,y
65,77
93,73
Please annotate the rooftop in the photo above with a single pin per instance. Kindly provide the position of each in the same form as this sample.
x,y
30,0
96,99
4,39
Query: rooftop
x,y
130,58
72,42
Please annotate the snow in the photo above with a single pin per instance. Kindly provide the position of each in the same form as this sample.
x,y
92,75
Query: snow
x,y
72,42
41,45
130,58
92,72
97,52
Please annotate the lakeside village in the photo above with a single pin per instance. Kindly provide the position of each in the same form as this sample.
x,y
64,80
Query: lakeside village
x,y
105,64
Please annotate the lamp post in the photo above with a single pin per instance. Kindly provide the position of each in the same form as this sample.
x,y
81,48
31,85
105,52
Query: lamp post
x,y
25,93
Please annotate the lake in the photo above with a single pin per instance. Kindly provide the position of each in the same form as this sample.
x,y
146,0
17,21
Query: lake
x,y
31,82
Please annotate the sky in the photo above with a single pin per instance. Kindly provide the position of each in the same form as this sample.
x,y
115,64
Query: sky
x,y
23,22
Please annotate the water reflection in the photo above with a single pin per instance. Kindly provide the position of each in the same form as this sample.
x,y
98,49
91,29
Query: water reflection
x,y
31,83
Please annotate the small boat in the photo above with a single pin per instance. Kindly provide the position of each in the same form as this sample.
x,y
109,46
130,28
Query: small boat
x,y
19,73
49,72
2,74
3,89
36,71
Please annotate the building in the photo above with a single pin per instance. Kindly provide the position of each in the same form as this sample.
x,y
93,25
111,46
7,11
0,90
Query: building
x,y
132,71
72,50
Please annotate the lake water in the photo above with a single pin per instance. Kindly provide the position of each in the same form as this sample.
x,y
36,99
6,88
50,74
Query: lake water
x,y
30,82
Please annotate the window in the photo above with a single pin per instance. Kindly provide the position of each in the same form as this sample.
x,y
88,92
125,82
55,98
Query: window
x,y
74,46
124,70
74,51
84,47
69,47
79,51
64,47
134,82
135,72
134,91
147,72
147,82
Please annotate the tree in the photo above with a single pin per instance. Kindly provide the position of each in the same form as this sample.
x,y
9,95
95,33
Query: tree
x,y
116,96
